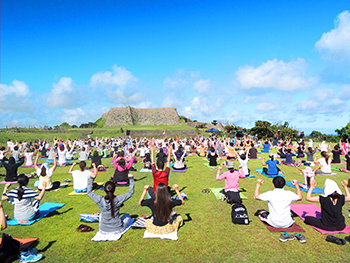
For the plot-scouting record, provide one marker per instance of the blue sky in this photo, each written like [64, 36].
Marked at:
[234, 61]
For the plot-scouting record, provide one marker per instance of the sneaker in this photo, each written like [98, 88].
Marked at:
[286, 237]
[300, 237]
[32, 251]
[27, 257]
[222, 197]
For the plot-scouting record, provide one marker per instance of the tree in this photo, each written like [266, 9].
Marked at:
[185, 119]
[344, 132]
[262, 129]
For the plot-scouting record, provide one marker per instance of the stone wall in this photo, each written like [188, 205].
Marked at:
[132, 116]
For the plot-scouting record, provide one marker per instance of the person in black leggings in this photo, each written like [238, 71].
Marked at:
[331, 206]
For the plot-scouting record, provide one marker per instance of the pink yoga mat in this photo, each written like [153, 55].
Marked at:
[313, 210]
[15, 182]
[338, 163]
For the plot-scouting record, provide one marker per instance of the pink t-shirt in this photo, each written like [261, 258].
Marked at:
[231, 179]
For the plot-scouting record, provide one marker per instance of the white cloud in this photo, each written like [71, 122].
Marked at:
[18, 89]
[308, 105]
[344, 93]
[14, 97]
[143, 105]
[195, 74]
[62, 94]
[198, 107]
[119, 77]
[323, 94]
[335, 44]
[170, 102]
[265, 106]
[174, 82]
[250, 99]
[275, 74]
[73, 116]
[312, 107]
[202, 85]
[22, 123]
[120, 96]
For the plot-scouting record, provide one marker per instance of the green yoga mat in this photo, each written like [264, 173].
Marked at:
[207, 165]
[336, 169]
[218, 192]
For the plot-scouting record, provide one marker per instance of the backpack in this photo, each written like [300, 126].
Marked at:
[239, 214]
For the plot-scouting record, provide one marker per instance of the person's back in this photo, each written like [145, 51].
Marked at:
[336, 154]
[279, 201]
[253, 153]
[15, 154]
[160, 176]
[266, 146]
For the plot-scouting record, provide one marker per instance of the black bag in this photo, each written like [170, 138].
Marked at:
[239, 214]
[9, 247]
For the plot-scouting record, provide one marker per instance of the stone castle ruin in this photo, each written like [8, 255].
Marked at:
[132, 116]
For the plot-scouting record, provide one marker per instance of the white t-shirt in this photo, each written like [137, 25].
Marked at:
[29, 157]
[62, 156]
[279, 201]
[80, 179]
[326, 167]
[244, 164]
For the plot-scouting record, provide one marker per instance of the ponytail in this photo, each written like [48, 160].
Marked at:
[109, 189]
[43, 171]
[22, 181]
[20, 193]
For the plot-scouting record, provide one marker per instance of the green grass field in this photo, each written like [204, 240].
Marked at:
[75, 133]
[208, 234]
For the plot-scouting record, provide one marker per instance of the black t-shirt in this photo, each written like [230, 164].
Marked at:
[331, 215]
[161, 156]
[150, 204]
[336, 156]
[253, 153]
[212, 159]
[347, 162]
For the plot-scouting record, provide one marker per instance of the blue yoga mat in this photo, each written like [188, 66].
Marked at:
[260, 171]
[315, 191]
[145, 170]
[45, 209]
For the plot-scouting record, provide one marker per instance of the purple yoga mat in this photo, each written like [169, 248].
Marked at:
[179, 171]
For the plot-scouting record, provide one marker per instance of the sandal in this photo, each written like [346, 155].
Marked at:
[336, 240]
[85, 228]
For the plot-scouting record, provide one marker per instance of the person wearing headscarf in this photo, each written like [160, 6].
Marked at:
[331, 206]
[45, 174]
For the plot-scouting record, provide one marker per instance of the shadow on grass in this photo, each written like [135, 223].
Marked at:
[55, 213]
[172, 191]
[140, 179]
[47, 246]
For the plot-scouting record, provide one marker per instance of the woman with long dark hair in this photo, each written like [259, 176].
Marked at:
[325, 164]
[111, 226]
[162, 207]
[25, 200]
